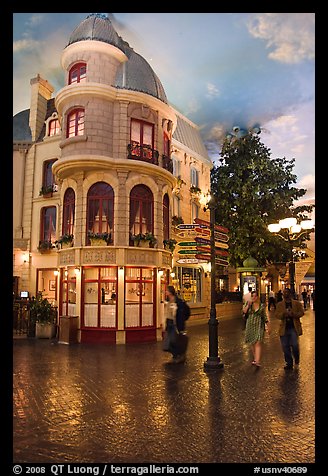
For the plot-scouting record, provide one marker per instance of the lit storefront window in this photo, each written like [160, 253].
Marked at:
[99, 295]
[139, 297]
[188, 283]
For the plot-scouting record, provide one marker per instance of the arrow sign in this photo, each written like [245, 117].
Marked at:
[207, 223]
[218, 236]
[204, 249]
[222, 262]
[189, 226]
[187, 252]
[204, 257]
[187, 243]
[187, 260]
[204, 241]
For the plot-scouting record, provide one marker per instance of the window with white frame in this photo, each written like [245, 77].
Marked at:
[176, 206]
[194, 211]
[176, 167]
[194, 177]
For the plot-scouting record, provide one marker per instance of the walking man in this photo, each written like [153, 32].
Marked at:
[289, 311]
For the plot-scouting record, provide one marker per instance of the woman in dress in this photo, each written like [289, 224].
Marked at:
[256, 325]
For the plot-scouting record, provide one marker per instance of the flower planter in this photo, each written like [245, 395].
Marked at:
[144, 243]
[45, 251]
[69, 244]
[97, 242]
[45, 330]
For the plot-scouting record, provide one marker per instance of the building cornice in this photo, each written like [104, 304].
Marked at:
[68, 166]
[68, 93]
[90, 45]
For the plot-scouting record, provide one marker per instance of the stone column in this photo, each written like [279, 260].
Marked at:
[121, 211]
[80, 205]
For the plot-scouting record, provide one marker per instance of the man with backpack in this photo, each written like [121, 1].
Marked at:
[177, 312]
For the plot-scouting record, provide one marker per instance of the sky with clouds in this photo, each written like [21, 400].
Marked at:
[218, 69]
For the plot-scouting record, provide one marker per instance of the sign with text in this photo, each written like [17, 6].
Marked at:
[187, 243]
[189, 226]
[207, 223]
[187, 252]
[219, 261]
[191, 261]
[205, 249]
[218, 236]
[204, 241]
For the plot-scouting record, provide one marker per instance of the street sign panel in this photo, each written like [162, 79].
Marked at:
[187, 243]
[190, 261]
[187, 252]
[204, 249]
[189, 226]
[218, 236]
[221, 261]
[207, 223]
[205, 241]
[204, 257]
[187, 261]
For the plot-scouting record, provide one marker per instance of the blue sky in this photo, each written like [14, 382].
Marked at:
[219, 69]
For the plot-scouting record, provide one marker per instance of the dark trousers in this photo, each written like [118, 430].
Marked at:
[290, 346]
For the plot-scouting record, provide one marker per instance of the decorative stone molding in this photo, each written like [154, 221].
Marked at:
[141, 257]
[99, 256]
[166, 259]
[66, 257]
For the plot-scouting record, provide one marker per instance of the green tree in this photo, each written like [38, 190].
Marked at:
[252, 190]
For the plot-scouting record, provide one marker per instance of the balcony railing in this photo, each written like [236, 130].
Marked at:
[142, 152]
[167, 163]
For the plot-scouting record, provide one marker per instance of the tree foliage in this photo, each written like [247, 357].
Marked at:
[252, 190]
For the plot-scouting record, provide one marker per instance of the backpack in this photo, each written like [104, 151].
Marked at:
[185, 310]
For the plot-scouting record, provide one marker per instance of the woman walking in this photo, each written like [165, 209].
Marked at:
[256, 325]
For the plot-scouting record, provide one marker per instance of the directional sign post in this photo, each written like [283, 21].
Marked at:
[213, 360]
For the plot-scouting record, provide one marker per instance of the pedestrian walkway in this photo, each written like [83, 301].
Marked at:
[124, 404]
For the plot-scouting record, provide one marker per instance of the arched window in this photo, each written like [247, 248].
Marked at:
[100, 209]
[77, 73]
[75, 123]
[69, 212]
[48, 224]
[166, 217]
[141, 210]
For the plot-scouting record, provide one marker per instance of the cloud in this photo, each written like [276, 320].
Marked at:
[25, 45]
[308, 182]
[290, 36]
[34, 20]
[212, 91]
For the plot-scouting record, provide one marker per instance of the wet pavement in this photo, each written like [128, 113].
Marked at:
[124, 404]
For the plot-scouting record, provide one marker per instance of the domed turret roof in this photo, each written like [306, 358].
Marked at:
[97, 27]
[135, 74]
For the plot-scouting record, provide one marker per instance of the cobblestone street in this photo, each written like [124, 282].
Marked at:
[125, 404]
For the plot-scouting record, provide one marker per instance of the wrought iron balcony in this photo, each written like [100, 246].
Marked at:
[167, 163]
[142, 152]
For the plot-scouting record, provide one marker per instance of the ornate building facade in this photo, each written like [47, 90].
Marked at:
[107, 157]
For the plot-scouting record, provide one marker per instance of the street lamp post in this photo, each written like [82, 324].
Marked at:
[213, 360]
[293, 232]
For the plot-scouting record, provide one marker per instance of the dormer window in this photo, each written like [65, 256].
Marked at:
[54, 127]
[75, 123]
[78, 73]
